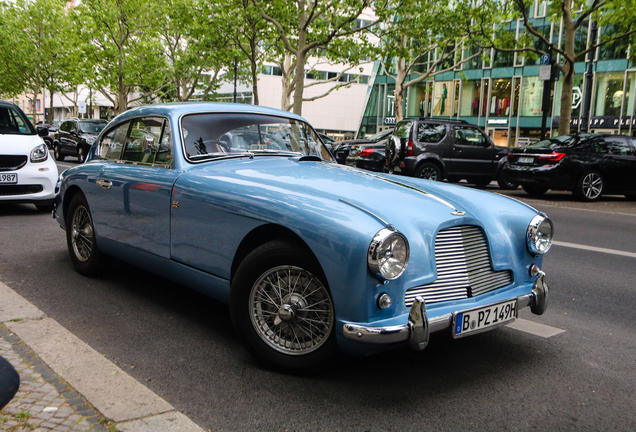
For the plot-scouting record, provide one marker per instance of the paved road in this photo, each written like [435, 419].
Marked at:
[181, 345]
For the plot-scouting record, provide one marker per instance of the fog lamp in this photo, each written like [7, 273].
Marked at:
[384, 301]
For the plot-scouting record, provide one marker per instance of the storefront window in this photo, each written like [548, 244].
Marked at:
[389, 98]
[628, 110]
[417, 101]
[609, 94]
[471, 93]
[531, 97]
[516, 86]
[441, 101]
[500, 97]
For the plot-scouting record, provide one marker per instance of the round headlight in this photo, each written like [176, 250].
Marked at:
[540, 234]
[388, 254]
[40, 153]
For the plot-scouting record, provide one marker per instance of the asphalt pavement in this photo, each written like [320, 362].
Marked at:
[135, 352]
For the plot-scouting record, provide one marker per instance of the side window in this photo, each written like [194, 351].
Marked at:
[72, 126]
[468, 136]
[112, 143]
[142, 142]
[164, 154]
[617, 146]
[430, 133]
[64, 127]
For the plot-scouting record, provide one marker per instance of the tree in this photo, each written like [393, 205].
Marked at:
[324, 28]
[620, 14]
[424, 38]
[34, 49]
[122, 49]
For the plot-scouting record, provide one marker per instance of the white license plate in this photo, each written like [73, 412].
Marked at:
[526, 160]
[478, 320]
[8, 178]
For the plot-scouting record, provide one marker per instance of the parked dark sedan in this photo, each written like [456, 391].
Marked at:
[589, 165]
[368, 156]
[341, 151]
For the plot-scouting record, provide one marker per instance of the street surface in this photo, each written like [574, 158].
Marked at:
[575, 372]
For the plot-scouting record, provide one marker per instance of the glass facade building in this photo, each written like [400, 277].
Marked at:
[503, 94]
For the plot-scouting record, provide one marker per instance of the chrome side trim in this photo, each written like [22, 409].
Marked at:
[370, 213]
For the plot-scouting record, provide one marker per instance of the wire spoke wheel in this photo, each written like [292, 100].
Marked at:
[82, 234]
[592, 186]
[291, 310]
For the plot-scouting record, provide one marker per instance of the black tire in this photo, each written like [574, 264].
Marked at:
[45, 208]
[281, 337]
[481, 183]
[80, 238]
[631, 196]
[81, 154]
[428, 171]
[535, 191]
[590, 186]
[56, 152]
[506, 184]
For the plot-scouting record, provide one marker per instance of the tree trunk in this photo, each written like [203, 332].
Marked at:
[50, 119]
[254, 51]
[568, 72]
[285, 99]
[398, 101]
[301, 57]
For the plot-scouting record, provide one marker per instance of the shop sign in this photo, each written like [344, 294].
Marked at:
[577, 96]
[601, 122]
[498, 122]
[389, 120]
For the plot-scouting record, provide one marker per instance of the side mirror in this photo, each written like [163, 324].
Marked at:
[43, 131]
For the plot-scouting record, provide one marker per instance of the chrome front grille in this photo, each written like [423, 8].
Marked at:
[463, 268]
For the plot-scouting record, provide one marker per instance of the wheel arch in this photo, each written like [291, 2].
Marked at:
[431, 158]
[68, 197]
[263, 234]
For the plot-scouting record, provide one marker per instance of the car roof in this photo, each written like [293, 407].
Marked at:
[177, 109]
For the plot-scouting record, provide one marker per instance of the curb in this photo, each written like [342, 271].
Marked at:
[84, 377]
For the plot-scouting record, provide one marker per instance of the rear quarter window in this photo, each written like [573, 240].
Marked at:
[430, 133]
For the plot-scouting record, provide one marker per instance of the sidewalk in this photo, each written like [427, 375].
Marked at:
[66, 386]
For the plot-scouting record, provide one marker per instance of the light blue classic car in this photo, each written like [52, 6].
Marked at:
[312, 257]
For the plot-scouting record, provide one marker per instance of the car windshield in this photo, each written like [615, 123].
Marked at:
[91, 127]
[13, 122]
[560, 141]
[207, 136]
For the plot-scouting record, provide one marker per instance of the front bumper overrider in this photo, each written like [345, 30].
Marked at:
[419, 327]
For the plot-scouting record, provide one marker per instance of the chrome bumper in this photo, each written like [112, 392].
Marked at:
[419, 327]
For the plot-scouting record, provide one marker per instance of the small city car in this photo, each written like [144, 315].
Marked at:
[27, 173]
[589, 165]
[314, 258]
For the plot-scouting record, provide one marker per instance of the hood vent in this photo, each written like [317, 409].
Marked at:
[463, 268]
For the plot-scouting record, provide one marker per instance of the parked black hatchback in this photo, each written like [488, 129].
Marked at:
[438, 149]
[589, 165]
[75, 137]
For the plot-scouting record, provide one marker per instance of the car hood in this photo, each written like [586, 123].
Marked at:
[348, 194]
[19, 144]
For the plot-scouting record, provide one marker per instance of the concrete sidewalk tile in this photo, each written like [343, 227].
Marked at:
[13, 306]
[110, 390]
[167, 422]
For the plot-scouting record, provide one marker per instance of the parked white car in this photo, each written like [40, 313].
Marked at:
[27, 173]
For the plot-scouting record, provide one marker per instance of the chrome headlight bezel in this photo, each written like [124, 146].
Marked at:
[381, 250]
[39, 154]
[539, 235]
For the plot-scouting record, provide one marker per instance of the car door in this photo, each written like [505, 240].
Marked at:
[134, 198]
[472, 153]
[616, 160]
[63, 136]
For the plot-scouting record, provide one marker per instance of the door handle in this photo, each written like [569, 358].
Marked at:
[105, 184]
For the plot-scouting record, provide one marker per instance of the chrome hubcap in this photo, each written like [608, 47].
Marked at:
[291, 310]
[82, 234]
[592, 186]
